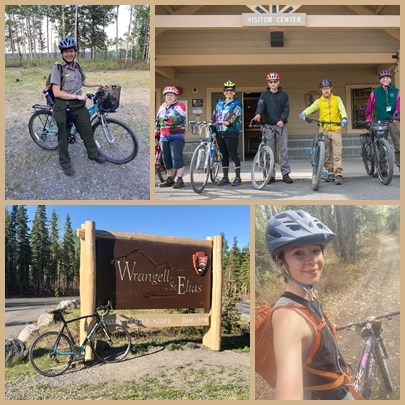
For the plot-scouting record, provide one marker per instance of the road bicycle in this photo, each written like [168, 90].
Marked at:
[116, 142]
[206, 159]
[374, 350]
[263, 162]
[376, 151]
[318, 151]
[52, 353]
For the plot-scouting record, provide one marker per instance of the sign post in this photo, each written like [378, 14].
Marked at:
[138, 271]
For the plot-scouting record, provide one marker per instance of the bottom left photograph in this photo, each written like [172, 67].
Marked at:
[127, 302]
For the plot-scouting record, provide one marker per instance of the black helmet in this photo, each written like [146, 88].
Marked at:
[67, 43]
[294, 228]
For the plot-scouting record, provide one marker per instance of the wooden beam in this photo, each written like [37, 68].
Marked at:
[345, 58]
[168, 72]
[182, 22]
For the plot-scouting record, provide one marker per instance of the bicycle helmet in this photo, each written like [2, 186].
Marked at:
[384, 73]
[67, 43]
[325, 83]
[272, 76]
[229, 85]
[294, 228]
[171, 89]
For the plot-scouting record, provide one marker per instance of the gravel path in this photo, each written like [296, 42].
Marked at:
[34, 174]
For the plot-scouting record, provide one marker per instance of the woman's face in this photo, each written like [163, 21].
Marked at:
[170, 98]
[304, 263]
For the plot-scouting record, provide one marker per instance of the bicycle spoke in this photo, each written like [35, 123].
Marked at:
[199, 168]
[43, 130]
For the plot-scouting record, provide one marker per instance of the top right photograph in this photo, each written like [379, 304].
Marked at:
[277, 102]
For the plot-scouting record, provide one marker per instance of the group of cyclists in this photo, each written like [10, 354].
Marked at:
[273, 112]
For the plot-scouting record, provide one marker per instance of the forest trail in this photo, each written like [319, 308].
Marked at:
[376, 292]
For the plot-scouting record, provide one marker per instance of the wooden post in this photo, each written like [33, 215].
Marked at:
[212, 336]
[87, 279]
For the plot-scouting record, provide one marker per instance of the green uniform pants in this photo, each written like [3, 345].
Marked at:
[395, 135]
[81, 119]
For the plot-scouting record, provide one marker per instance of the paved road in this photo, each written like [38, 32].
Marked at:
[357, 185]
[23, 311]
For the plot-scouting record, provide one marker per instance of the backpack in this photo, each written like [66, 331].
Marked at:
[265, 361]
[47, 91]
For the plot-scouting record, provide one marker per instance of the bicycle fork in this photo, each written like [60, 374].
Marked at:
[106, 129]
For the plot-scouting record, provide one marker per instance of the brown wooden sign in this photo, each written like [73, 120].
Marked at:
[153, 274]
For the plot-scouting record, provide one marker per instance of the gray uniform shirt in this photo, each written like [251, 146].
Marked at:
[74, 79]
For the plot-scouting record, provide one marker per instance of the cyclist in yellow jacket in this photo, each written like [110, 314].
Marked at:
[330, 109]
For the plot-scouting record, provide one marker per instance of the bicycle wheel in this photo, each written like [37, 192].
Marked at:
[215, 165]
[318, 160]
[51, 354]
[111, 343]
[199, 168]
[367, 154]
[382, 364]
[385, 161]
[160, 169]
[115, 141]
[44, 130]
[261, 167]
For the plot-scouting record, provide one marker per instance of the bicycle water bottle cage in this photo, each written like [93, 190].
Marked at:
[200, 262]
[378, 129]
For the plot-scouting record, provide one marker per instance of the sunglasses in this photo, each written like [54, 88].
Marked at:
[228, 90]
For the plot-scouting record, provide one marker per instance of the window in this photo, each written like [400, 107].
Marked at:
[357, 96]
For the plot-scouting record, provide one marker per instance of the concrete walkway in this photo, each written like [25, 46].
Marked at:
[357, 185]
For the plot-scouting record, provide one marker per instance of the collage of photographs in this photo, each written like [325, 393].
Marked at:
[201, 201]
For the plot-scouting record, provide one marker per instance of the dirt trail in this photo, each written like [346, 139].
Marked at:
[375, 293]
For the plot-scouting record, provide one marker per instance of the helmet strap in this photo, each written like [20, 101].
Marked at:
[309, 289]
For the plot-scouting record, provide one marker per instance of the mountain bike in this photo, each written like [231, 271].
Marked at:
[374, 349]
[263, 161]
[318, 151]
[376, 151]
[52, 353]
[206, 159]
[115, 141]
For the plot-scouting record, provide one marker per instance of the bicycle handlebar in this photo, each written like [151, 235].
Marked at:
[311, 120]
[369, 319]
[103, 310]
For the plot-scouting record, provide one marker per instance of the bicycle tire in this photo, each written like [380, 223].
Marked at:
[367, 154]
[111, 343]
[214, 166]
[43, 357]
[262, 165]
[385, 166]
[382, 364]
[318, 161]
[43, 130]
[122, 148]
[160, 169]
[367, 381]
[199, 168]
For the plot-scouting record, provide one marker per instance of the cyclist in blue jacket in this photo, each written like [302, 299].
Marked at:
[227, 123]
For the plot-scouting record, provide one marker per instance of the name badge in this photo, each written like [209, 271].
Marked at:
[388, 108]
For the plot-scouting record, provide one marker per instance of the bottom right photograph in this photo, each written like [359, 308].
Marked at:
[327, 291]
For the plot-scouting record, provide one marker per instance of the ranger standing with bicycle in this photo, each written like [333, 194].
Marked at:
[227, 125]
[384, 105]
[274, 105]
[70, 104]
[330, 108]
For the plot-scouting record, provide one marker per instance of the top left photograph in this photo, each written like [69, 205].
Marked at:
[77, 102]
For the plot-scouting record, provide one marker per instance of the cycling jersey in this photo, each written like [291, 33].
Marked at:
[230, 112]
[171, 121]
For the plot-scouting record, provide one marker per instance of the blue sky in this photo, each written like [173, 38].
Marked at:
[186, 221]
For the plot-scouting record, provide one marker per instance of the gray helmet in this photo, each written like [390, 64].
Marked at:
[294, 228]
[67, 43]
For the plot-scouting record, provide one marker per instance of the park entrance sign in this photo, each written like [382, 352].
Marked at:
[150, 272]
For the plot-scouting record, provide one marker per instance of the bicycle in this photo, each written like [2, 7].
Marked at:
[160, 168]
[263, 162]
[52, 353]
[206, 159]
[115, 141]
[318, 151]
[376, 151]
[374, 348]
